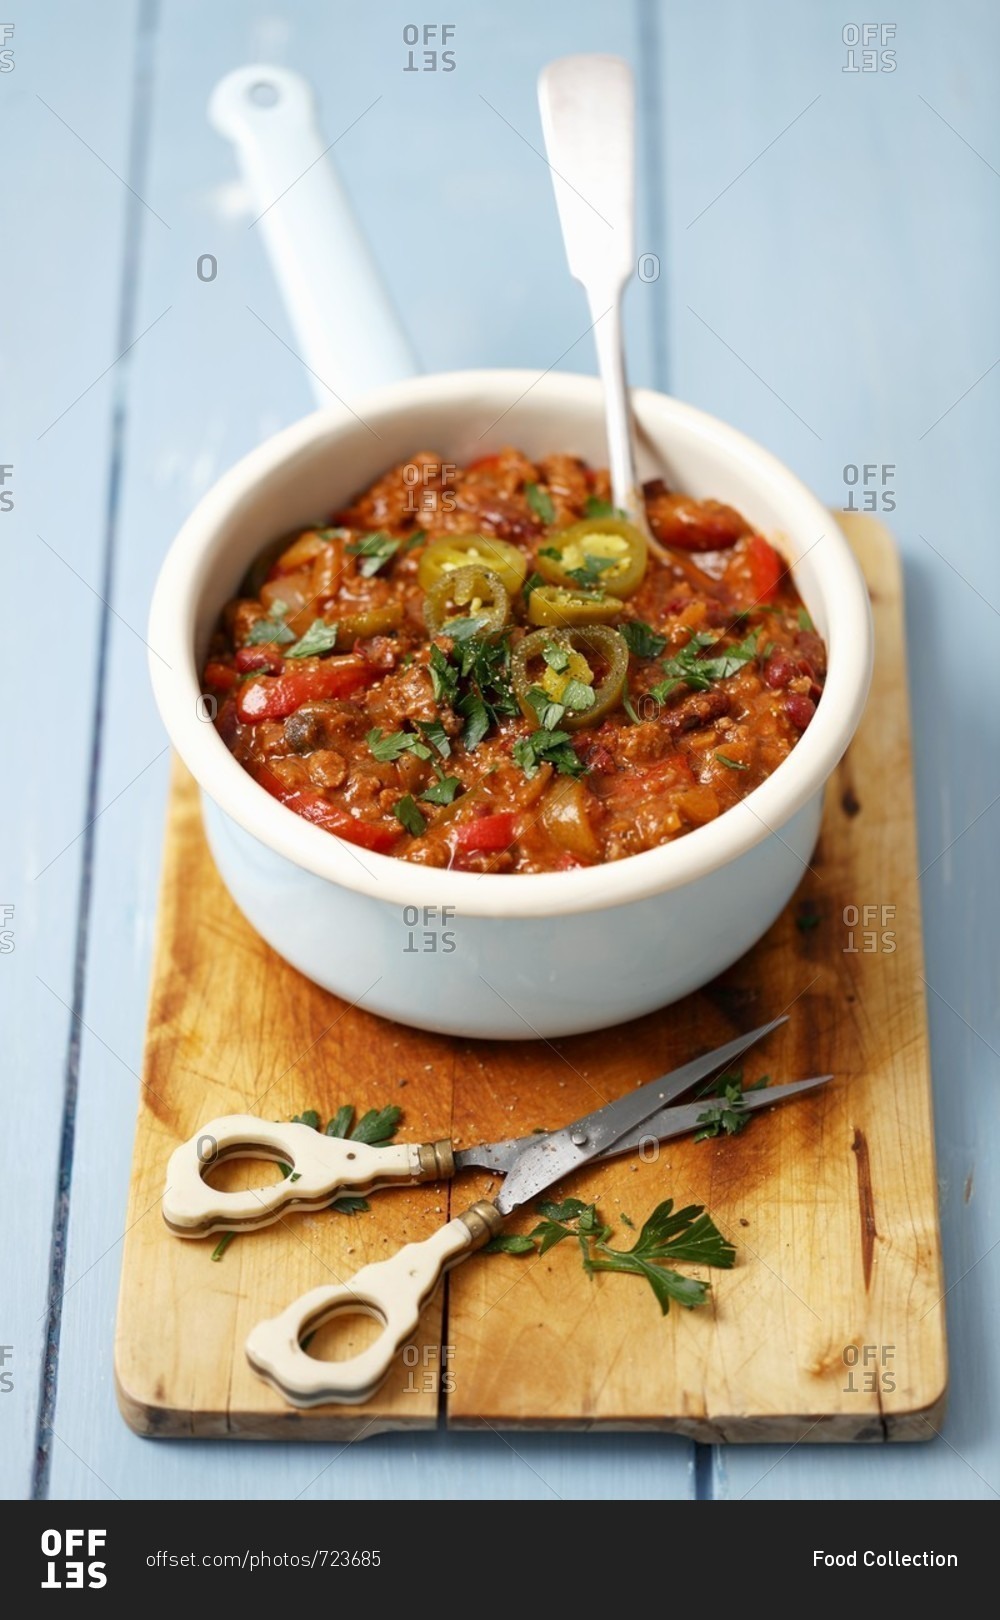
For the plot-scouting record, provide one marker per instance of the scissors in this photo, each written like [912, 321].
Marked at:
[395, 1291]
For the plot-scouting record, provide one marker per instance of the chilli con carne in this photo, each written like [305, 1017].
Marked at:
[486, 667]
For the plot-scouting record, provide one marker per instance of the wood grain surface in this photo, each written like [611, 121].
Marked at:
[830, 1325]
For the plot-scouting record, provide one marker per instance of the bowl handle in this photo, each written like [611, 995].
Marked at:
[346, 330]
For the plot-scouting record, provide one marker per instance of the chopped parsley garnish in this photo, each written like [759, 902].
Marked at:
[731, 1115]
[593, 508]
[443, 791]
[476, 714]
[548, 712]
[577, 695]
[387, 749]
[436, 735]
[731, 764]
[556, 655]
[406, 813]
[463, 629]
[540, 502]
[688, 668]
[805, 622]
[667, 1238]
[531, 584]
[589, 574]
[271, 629]
[641, 639]
[548, 747]
[320, 638]
[374, 550]
[444, 676]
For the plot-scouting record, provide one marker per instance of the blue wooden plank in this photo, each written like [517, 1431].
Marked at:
[478, 277]
[835, 300]
[60, 274]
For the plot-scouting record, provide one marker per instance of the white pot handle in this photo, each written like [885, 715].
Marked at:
[346, 329]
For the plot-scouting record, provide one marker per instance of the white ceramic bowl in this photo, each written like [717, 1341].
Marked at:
[497, 955]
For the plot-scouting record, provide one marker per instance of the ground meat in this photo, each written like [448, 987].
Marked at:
[356, 735]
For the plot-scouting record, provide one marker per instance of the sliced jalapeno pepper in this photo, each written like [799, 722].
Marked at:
[467, 601]
[373, 621]
[551, 604]
[607, 554]
[466, 550]
[581, 670]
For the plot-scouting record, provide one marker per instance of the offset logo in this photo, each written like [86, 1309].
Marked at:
[70, 1560]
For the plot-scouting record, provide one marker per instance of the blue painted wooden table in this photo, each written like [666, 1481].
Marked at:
[827, 239]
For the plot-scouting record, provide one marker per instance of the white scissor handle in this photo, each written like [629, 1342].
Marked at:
[393, 1291]
[321, 1168]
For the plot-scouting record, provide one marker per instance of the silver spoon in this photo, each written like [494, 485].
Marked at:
[588, 119]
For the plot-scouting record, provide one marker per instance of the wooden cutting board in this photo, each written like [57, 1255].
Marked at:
[831, 1326]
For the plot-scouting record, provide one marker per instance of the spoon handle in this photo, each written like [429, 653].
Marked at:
[588, 119]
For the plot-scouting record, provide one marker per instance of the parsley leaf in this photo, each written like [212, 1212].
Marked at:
[443, 791]
[730, 1115]
[577, 695]
[556, 655]
[667, 1238]
[387, 749]
[641, 640]
[589, 575]
[547, 747]
[805, 622]
[477, 719]
[531, 584]
[320, 638]
[548, 712]
[374, 550]
[510, 1243]
[444, 676]
[689, 668]
[436, 735]
[462, 629]
[406, 813]
[731, 764]
[540, 502]
[271, 629]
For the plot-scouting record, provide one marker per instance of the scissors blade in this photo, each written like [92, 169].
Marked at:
[679, 1120]
[548, 1158]
[501, 1157]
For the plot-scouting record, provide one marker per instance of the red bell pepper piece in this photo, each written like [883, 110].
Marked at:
[380, 836]
[767, 568]
[487, 833]
[272, 697]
